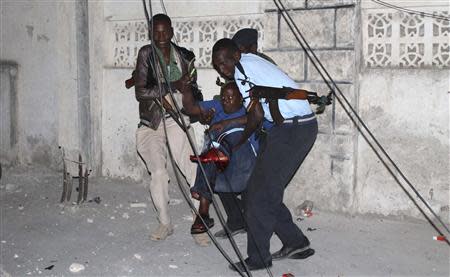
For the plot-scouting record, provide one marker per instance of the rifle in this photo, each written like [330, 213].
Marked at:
[287, 93]
[129, 83]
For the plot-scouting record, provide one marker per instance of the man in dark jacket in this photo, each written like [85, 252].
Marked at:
[166, 66]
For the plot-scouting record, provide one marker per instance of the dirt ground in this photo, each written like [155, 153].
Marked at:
[41, 237]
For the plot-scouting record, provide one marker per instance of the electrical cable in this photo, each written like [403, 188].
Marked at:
[217, 209]
[358, 121]
[424, 14]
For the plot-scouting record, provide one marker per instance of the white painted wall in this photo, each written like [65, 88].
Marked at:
[38, 35]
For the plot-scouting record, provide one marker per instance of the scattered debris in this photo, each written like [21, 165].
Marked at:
[174, 202]
[50, 267]
[439, 238]
[138, 205]
[288, 275]
[10, 187]
[311, 229]
[125, 215]
[96, 200]
[76, 267]
[173, 266]
[304, 209]
[137, 256]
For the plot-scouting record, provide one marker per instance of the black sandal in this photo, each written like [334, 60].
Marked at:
[199, 228]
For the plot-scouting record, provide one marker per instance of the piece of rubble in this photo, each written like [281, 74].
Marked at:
[173, 202]
[138, 205]
[90, 220]
[76, 267]
[125, 215]
[137, 256]
[173, 266]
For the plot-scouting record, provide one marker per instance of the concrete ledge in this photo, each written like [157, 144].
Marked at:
[328, 3]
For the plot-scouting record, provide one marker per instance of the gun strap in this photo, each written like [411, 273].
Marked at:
[273, 103]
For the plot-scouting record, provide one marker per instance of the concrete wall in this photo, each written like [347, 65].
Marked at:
[404, 100]
[36, 36]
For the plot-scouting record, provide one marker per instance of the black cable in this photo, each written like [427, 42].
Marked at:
[424, 14]
[218, 212]
[308, 51]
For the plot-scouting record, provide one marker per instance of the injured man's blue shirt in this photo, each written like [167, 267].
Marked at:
[220, 115]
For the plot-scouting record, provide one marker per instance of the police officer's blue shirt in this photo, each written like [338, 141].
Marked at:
[263, 73]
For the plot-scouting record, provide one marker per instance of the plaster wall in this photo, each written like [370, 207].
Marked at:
[408, 112]
[38, 36]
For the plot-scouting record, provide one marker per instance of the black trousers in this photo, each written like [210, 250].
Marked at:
[285, 148]
[234, 208]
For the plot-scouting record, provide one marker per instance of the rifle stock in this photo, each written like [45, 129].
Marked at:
[129, 83]
[300, 94]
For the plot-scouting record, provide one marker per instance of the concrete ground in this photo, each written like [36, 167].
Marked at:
[41, 237]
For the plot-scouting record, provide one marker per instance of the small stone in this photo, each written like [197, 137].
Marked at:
[174, 202]
[3, 241]
[16, 256]
[113, 217]
[173, 266]
[138, 205]
[137, 256]
[111, 234]
[90, 220]
[125, 215]
[10, 187]
[75, 267]
[20, 207]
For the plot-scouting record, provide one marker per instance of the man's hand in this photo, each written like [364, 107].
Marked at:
[182, 84]
[206, 116]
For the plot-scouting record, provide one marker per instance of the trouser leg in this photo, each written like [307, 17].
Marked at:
[233, 207]
[181, 150]
[151, 146]
[286, 147]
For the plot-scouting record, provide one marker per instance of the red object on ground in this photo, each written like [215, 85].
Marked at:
[287, 275]
[440, 238]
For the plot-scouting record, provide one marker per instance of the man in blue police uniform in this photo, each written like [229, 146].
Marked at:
[286, 146]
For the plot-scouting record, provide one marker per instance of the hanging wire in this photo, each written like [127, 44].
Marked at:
[424, 14]
[191, 142]
[356, 119]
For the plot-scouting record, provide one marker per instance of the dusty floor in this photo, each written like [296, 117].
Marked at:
[40, 236]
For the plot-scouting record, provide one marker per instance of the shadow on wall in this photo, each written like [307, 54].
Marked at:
[8, 112]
